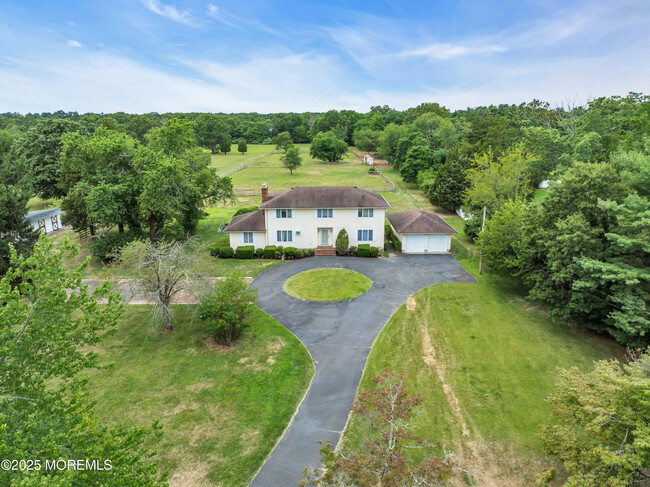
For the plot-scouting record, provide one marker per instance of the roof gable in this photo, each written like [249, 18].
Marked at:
[418, 221]
[325, 197]
[248, 222]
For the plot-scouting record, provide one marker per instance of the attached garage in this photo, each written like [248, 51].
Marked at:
[421, 232]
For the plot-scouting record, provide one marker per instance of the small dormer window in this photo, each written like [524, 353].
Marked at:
[283, 214]
[366, 212]
[325, 213]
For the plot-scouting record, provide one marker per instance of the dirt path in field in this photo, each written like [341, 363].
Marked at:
[477, 452]
[429, 358]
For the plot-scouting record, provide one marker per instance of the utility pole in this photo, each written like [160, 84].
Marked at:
[480, 258]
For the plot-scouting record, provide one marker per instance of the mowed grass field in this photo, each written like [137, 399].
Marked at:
[279, 178]
[484, 359]
[222, 409]
[263, 154]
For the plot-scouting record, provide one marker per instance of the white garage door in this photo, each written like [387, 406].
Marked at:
[415, 243]
[437, 243]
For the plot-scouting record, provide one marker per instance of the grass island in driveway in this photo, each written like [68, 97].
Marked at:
[327, 285]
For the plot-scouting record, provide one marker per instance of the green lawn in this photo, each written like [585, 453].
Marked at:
[36, 203]
[327, 285]
[307, 175]
[222, 409]
[540, 194]
[498, 353]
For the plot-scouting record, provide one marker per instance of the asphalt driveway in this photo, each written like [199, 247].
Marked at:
[339, 336]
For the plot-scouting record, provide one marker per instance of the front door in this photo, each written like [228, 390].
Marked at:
[324, 237]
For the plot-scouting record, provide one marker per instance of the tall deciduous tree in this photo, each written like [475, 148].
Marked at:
[292, 159]
[328, 147]
[41, 148]
[46, 340]
[494, 180]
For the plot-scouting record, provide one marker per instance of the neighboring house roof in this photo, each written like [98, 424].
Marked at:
[34, 216]
[248, 222]
[418, 221]
[325, 197]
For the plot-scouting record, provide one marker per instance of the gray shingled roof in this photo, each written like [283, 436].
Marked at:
[325, 197]
[248, 222]
[418, 221]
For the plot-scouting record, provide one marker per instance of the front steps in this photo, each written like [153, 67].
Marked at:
[324, 251]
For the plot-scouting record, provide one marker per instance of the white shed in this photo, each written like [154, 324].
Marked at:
[45, 220]
[368, 160]
[421, 232]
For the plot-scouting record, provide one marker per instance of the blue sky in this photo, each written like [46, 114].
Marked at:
[269, 56]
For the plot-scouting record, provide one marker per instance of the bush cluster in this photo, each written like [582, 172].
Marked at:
[397, 244]
[248, 209]
[245, 252]
[270, 251]
[225, 252]
[106, 246]
[364, 250]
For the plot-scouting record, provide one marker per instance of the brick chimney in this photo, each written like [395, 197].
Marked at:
[265, 192]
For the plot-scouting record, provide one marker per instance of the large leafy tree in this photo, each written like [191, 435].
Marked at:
[420, 158]
[493, 180]
[46, 342]
[326, 146]
[15, 191]
[41, 148]
[602, 435]
[100, 180]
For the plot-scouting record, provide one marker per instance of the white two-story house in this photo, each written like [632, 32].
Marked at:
[311, 217]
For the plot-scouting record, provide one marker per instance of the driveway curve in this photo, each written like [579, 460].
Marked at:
[338, 336]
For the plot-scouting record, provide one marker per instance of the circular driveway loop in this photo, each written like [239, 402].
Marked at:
[338, 335]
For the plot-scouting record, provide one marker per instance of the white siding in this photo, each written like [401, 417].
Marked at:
[305, 222]
[237, 239]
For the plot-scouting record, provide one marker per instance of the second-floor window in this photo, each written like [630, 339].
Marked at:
[283, 214]
[366, 212]
[325, 213]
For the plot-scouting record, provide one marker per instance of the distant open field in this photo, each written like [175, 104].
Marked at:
[261, 154]
[307, 175]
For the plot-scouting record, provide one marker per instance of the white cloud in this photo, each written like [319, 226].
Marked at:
[73, 43]
[237, 22]
[169, 11]
[451, 51]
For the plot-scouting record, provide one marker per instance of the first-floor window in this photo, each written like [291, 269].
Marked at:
[365, 235]
[285, 236]
[247, 237]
